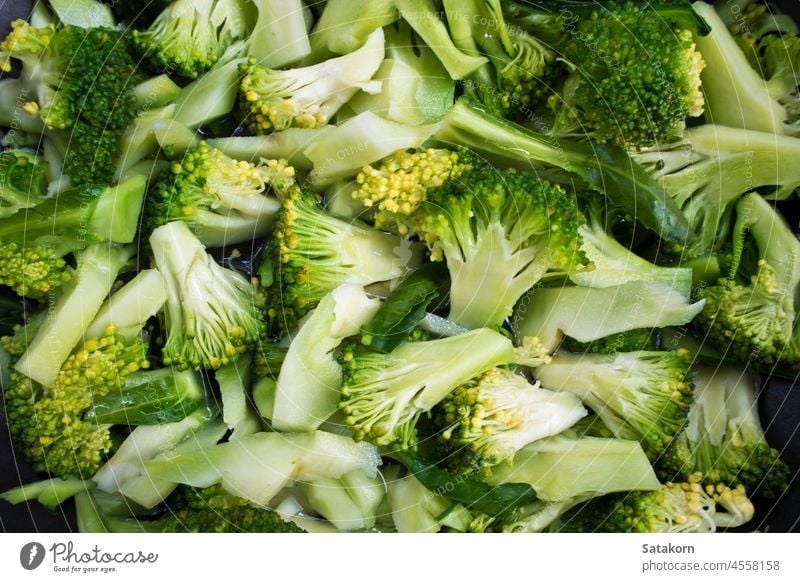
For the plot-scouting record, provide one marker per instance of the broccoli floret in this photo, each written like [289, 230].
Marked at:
[23, 181]
[397, 185]
[751, 313]
[639, 75]
[642, 396]
[521, 64]
[34, 242]
[500, 232]
[487, 420]
[224, 201]
[311, 253]
[83, 80]
[710, 168]
[213, 510]
[383, 395]
[189, 36]
[47, 421]
[736, 93]
[685, 507]
[213, 314]
[603, 167]
[723, 439]
[308, 97]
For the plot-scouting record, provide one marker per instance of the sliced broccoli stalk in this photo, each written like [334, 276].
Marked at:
[487, 420]
[129, 308]
[724, 440]
[736, 94]
[383, 395]
[561, 468]
[604, 168]
[615, 264]
[416, 88]
[213, 314]
[341, 201]
[234, 386]
[80, 216]
[280, 36]
[23, 181]
[709, 169]
[423, 17]
[500, 233]
[633, 340]
[213, 95]
[124, 473]
[309, 96]
[149, 397]
[643, 396]
[686, 507]
[288, 144]
[51, 492]
[282, 458]
[97, 270]
[264, 396]
[376, 138]
[349, 503]
[751, 314]
[83, 13]
[587, 314]
[344, 26]
[415, 509]
[156, 92]
[189, 36]
[308, 386]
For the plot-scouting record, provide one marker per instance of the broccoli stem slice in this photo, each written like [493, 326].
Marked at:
[98, 268]
[604, 168]
[234, 384]
[344, 25]
[736, 95]
[551, 313]
[280, 37]
[424, 19]
[50, 492]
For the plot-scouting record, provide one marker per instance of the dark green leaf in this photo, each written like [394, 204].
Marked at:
[406, 307]
[495, 501]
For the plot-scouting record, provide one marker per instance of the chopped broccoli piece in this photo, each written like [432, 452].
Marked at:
[311, 253]
[723, 439]
[224, 201]
[51, 492]
[190, 36]
[685, 507]
[500, 232]
[345, 25]
[551, 313]
[737, 95]
[751, 313]
[384, 395]
[280, 34]
[47, 421]
[632, 340]
[213, 510]
[397, 186]
[642, 396]
[213, 314]
[487, 420]
[35, 241]
[307, 97]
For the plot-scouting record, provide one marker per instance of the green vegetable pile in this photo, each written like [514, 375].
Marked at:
[398, 265]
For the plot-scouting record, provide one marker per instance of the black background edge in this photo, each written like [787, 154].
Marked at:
[779, 408]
